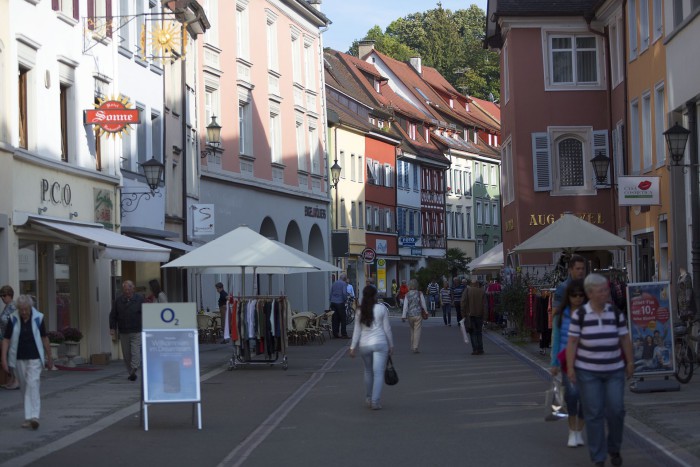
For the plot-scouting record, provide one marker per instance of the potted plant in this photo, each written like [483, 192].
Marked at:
[72, 343]
[55, 340]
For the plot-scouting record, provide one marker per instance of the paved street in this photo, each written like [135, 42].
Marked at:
[449, 408]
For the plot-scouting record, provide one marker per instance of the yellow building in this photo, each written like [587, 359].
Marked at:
[646, 153]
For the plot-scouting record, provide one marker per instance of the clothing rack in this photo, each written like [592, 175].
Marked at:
[257, 327]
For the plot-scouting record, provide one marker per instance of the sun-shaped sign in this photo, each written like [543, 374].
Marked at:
[113, 115]
[165, 40]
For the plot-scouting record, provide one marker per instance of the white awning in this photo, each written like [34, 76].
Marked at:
[113, 245]
[172, 244]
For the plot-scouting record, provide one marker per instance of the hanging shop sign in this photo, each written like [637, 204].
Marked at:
[113, 115]
[203, 219]
[638, 191]
[407, 241]
[368, 255]
[381, 247]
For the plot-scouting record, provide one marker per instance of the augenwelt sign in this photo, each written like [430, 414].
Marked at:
[112, 116]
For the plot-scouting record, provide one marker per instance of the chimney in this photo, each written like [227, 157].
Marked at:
[416, 64]
[315, 3]
[365, 48]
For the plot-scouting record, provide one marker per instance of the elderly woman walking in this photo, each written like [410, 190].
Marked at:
[598, 356]
[25, 348]
[413, 305]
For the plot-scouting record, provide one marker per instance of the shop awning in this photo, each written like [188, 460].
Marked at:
[492, 260]
[113, 245]
[172, 244]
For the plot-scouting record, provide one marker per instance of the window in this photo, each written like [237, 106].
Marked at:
[632, 27]
[296, 57]
[272, 60]
[479, 213]
[485, 173]
[507, 176]
[388, 176]
[353, 221]
[412, 131]
[314, 150]
[571, 162]
[64, 90]
[66, 7]
[643, 25]
[658, 19]
[212, 103]
[574, 59]
[468, 222]
[399, 174]
[487, 213]
[99, 17]
[301, 143]
[389, 221]
[352, 167]
[140, 23]
[141, 141]
[477, 172]
[375, 224]
[309, 65]
[245, 126]
[23, 107]
[677, 12]
[659, 126]
[416, 185]
[376, 85]
[494, 215]
[617, 53]
[368, 218]
[341, 162]
[468, 182]
[646, 130]
[450, 222]
[242, 29]
[156, 136]
[634, 136]
[427, 134]
[494, 175]
[360, 170]
[211, 8]
[125, 36]
[343, 213]
[275, 135]
[360, 213]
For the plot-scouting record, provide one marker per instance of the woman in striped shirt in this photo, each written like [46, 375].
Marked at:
[446, 303]
[594, 358]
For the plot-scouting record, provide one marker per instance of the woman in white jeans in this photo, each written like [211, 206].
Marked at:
[373, 336]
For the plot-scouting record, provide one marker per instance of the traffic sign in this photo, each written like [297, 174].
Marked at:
[368, 255]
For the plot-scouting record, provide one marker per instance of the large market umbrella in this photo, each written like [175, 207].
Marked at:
[492, 260]
[573, 234]
[239, 250]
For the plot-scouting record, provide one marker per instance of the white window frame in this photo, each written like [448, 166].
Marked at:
[657, 20]
[634, 127]
[275, 134]
[211, 8]
[632, 29]
[296, 56]
[353, 214]
[479, 213]
[643, 25]
[485, 173]
[660, 123]
[314, 148]
[242, 30]
[550, 85]
[495, 214]
[300, 131]
[360, 169]
[412, 130]
[309, 65]
[272, 42]
[617, 52]
[646, 132]
[360, 216]
[352, 167]
[245, 123]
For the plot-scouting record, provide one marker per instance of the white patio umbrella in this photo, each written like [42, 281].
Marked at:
[572, 234]
[492, 260]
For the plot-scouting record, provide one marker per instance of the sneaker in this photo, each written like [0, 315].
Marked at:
[572, 443]
[615, 458]
[34, 423]
[579, 438]
[26, 424]
[376, 406]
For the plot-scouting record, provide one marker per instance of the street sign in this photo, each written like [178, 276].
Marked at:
[407, 241]
[368, 255]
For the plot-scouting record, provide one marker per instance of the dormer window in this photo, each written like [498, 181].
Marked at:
[490, 139]
[376, 84]
[380, 124]
[452, 103]
[412, 131]
[495, 140]
[466, 106]
[427, 134]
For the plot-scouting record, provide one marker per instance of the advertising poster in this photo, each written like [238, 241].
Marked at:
[651, 327]
[381, 275]
[171, 366]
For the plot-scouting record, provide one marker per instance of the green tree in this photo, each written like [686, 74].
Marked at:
[457, 262]
[385, 44]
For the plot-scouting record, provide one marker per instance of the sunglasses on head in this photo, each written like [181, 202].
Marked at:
[577, 294]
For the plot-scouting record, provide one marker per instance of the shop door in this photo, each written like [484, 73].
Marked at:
[645, 257]
[66, 277]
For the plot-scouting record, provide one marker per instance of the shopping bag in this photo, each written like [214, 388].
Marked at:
[554, 402]
[390, 376]
[465, 335]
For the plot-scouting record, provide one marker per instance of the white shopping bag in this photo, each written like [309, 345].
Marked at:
[464, 331]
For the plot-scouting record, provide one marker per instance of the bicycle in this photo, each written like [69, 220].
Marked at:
[685, 352]
[349, 310]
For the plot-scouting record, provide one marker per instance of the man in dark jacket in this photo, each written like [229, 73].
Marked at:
[125, 319]
[474, 312]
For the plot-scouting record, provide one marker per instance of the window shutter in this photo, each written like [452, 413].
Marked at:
[76, 10]
[108, 7]
[54, 5]
[541, 162]
[600, 144]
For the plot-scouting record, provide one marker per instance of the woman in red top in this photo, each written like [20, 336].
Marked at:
[403, 290]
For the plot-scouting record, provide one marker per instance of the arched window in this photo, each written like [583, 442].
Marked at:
[571, 170]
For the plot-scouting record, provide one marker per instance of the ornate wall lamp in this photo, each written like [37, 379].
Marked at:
[213, 138]
[153, 170]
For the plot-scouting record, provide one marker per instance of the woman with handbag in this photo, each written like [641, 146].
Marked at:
[373, 336]
[573, 299]
[415, 310]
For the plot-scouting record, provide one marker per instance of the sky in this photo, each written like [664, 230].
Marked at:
[351, 19]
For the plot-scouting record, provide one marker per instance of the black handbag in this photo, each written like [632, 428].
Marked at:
[390, 376]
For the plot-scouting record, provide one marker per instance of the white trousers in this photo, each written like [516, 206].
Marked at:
[28, 373]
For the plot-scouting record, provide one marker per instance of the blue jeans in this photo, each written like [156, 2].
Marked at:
[572, 396]
[447, 313]
[602, 396]
[374, 358]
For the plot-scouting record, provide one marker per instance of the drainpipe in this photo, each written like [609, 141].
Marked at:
[183, 163]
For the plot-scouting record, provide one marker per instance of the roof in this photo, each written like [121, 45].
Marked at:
[491, 109]
[544, 7]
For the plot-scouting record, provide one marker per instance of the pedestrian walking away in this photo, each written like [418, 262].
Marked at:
[372, 334]
[598, 357]
[573, 300]
[413, 306]
[125, 324]
[457, 290]
[433, 290]
[338, 297]
[446, 303]
[25, 348]
[474, 311]
[7, 294]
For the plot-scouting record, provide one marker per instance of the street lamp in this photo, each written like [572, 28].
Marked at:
[676, 139]
[335, 177]
[153, 170]
[213, 138]
[601, 163]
